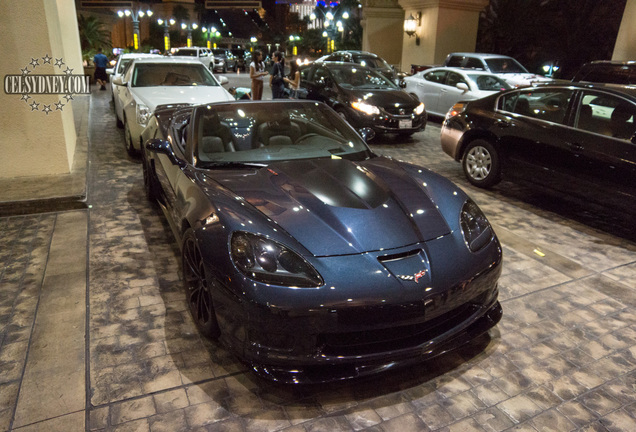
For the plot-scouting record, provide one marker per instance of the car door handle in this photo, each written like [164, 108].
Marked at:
[575, 147]
[503, 124]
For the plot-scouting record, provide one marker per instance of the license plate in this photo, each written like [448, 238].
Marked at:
[405, 124]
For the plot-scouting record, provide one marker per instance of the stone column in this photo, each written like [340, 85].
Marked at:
[445, 26]
[35, 141]
[382, 23]
[625, 48]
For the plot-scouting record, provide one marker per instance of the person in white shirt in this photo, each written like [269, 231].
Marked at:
[257, 74]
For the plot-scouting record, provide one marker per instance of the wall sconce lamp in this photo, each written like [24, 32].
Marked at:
[411, 24]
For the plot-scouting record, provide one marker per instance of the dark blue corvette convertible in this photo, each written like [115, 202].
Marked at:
[306, 254]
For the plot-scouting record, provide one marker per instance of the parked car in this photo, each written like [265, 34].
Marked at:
[364, 58]
[441, 88]
[240, 61]
[150, 82]
[573, 138]
[123, 60]
[503, 66]
[363, 97]
[306, 254]
[606, 71]
[223, 60]
[202, 54]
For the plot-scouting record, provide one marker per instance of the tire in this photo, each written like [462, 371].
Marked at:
[150, 185]
[481, 164]
[128, 141]
[198, 287]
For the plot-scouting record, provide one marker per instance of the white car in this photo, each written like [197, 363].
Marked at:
[204, 55]
[122, 61]
[440, 88]
[149, 82]
[503, 66]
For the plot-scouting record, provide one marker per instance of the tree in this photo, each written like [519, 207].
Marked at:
[92, 34]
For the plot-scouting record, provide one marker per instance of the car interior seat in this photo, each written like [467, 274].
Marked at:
[620, 123]
[216, 137]
[279, 131]
[586, 119]
[523, 107]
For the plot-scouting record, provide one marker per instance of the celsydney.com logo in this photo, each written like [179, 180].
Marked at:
[27, 84]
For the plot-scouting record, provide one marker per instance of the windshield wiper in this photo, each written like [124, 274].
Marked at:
[228, 164]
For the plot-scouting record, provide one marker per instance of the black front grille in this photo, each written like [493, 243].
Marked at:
[400, 111]
[377, 315]
[399, 337]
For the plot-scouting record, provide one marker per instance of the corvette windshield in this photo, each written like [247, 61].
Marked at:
[250, 132]
[171, 74]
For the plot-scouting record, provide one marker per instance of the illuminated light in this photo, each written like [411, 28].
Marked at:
[160, 21]
[538, 252]
[420, 211]
[149, 12]
[349, 300]
[424, 184]
[385, 205]
[141, 14]
[296, 209]
[195, 26]
[183, 26]
[172, 21]
[120, 13]
[345, 15]
[332, 287]
[455, 193]
[127, 12]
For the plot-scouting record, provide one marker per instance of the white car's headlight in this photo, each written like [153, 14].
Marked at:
[420, 109]
[366, 108]
[143, 114]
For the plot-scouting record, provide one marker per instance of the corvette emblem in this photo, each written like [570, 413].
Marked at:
[416, 277]
[402, 111]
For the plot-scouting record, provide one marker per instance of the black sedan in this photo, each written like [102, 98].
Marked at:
[579, 139]
[363, 97]
[307, 255]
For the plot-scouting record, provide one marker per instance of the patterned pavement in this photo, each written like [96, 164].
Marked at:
[563, 357]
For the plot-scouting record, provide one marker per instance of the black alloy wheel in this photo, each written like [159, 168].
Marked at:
[481, 164]
[198, 287]
[150, 184]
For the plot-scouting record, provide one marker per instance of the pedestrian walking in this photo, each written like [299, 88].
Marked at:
[101, 63]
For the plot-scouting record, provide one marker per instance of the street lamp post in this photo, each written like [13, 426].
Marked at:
[253, 40]
[331, 24]
[166, 32]
[211, 32]
[135, 14]
[189, 28]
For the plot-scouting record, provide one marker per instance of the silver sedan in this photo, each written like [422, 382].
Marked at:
[440, 88]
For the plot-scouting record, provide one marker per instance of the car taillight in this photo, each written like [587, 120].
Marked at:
[455, 110]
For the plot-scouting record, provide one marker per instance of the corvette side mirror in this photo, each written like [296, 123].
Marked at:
[160, 146]
[119, 81]
[367, 134]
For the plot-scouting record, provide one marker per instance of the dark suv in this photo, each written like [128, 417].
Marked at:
[605, 71]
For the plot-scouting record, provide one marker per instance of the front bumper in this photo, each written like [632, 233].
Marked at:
[320, 335]
[388, 123]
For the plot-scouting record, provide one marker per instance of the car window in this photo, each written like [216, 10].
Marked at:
[354, 76]
[255, 133]
[122, 65]
[455, 61]
[505, 65]
[186, 52]
[474, 63]
[171, 74]
[181, 130]
[454, 78]
[543, 104]
[320, 74]
[489, 82]
[606, 115]
[438, 76]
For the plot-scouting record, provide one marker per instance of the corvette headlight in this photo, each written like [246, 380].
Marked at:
[420, 109]
[475, 227]
[366, 108]
[267, 261]
[143, 114]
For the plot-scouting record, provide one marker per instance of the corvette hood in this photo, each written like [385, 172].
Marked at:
[339, 207]
[153, 96]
